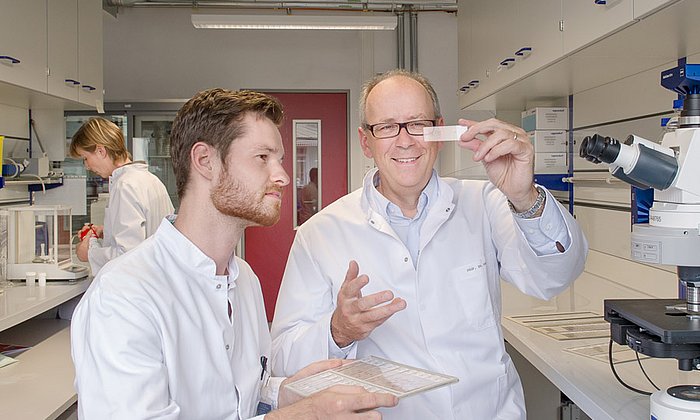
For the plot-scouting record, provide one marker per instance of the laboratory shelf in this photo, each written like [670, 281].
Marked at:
[40, 384]
[33, 181]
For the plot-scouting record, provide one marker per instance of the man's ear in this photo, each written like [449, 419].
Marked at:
[440, 121]
[363, 143]
[202, 157]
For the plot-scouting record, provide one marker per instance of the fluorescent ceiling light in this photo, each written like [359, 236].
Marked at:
[333, 22]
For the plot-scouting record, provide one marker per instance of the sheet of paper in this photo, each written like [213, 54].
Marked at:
[599, 351]
[4, 360]
[566, 325]
[444, 132]
[375, 375]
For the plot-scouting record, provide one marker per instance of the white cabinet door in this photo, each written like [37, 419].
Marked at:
[90, 51]
[62, 29]
[23, 43]
[642, 7]
[505, 44]
[537, 40]
[465, 67]
[586, 21]
[491, 40]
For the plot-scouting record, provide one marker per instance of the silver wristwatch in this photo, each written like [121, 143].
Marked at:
[529, 213]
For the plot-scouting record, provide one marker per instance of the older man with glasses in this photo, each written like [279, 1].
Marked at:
[408, 267]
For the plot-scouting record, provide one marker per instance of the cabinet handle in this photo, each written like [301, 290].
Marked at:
[12, 60]
[72, 81]
[89, 88]
[474, 83]
[523, 51]
[600, 2]
[464, 88]
[507, 62]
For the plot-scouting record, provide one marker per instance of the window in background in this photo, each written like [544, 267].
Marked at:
[151, 142]
[307, 172]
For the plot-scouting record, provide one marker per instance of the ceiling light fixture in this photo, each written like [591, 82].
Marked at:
[333, 22]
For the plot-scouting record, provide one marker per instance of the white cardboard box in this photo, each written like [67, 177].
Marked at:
[551, 163]
[549, 141]
[542, 118]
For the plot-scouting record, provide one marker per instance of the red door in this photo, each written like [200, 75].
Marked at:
[266, 249]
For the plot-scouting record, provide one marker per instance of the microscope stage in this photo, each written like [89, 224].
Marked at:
[658, 317]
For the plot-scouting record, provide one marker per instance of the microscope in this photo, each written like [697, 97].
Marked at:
[664, 328]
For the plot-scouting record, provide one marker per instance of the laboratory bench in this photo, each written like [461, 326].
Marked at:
[40, 385]
[588, 382]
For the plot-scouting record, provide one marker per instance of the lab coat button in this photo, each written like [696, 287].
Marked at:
[218, 286]
[371, 221]
[447, 210]
[227, 347]
[405, 259]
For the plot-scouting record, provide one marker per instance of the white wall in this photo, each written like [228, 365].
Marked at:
[156, 54]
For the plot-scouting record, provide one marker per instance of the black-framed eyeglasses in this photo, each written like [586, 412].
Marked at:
[388, 130]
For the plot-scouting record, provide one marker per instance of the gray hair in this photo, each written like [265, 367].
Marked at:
[371, 83]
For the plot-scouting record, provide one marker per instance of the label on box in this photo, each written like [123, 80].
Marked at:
[549, 141]
[542, 118]
[551, 163]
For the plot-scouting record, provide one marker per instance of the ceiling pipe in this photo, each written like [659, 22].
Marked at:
[293, 5]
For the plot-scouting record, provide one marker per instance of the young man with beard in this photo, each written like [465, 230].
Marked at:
[176, 328]
[426, 256]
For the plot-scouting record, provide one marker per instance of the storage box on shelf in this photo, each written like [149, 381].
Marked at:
[545, 118]
[550, 151]
[549, 141]
[551, 163]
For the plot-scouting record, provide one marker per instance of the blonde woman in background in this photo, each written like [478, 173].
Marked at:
[138, 200]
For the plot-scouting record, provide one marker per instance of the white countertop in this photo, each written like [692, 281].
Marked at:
[20, 303]
[587, 382]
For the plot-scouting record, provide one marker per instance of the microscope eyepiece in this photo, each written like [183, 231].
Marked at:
[599, 149]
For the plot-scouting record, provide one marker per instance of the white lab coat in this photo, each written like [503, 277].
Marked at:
[151, 338]
[138, 202]
[451, 324]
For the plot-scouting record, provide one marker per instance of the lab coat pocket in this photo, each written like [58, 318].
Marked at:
[468, 286]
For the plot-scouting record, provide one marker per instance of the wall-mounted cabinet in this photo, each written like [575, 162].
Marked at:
[642, 7]
[575, 45]
[502, 43]
[23, 43]
[585, 21]
[63, 78]
[53, 47]
[90, 52]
